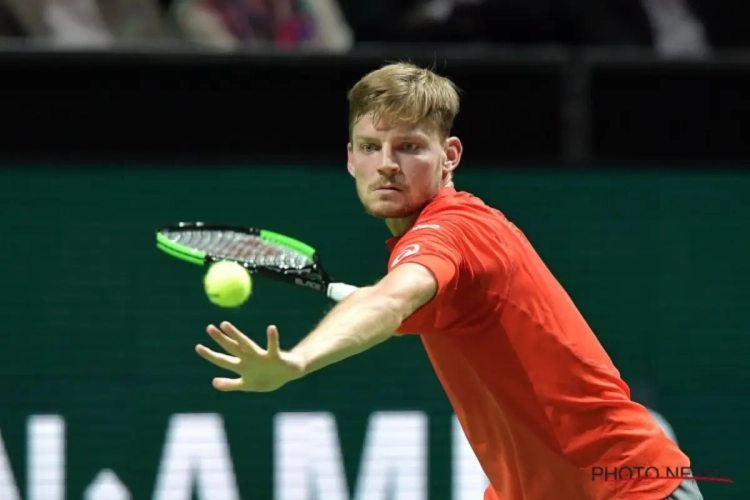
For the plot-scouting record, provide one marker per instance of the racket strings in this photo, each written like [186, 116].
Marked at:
[240, 246]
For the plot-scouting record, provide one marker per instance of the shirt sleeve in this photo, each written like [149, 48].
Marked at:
[434, 248]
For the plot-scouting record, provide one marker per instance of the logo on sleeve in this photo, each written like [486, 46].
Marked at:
[425, 226]
[407, 251]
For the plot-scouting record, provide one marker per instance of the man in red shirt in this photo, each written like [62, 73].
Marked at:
[541, 403]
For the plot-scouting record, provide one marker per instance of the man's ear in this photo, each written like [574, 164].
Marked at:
[453, 151]
[349, 158]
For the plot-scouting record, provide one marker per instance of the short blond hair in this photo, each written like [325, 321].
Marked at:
[405, 94]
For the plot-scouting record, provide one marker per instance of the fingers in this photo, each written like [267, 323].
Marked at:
[227, 384]
[243, 342]
[221, 360]
[229, 345]
[273, 341]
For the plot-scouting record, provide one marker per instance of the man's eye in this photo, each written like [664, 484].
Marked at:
[366, 148]
[410, 146]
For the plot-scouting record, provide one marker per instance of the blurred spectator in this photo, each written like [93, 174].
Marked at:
[669, 26]
[677, 32]
[9, 25]
[316, 24]
[89, 22]
[515, 22]
[673, 28]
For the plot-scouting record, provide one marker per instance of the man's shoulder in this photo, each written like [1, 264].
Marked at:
[465, 215]
[460, 203]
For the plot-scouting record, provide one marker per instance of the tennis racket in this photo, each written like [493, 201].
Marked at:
[262, 252]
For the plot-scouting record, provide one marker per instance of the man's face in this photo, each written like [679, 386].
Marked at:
[398, 170]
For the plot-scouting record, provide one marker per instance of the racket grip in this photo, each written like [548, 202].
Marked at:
[340, 291]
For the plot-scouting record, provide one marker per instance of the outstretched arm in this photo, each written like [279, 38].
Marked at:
[366, 318]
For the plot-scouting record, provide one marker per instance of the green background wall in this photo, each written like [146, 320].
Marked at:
[98, 326]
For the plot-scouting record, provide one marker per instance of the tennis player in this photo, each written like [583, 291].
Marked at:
[541, 403]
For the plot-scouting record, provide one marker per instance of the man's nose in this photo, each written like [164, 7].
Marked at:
[389, 166]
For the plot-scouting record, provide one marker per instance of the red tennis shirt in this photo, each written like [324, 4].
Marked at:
[539, 399]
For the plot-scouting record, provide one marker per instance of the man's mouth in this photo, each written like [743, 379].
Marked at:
[387, 188]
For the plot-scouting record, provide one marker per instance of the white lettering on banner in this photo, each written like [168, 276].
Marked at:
[196, 452]
[308, 461]
[469, 480]
[307, 457]
[394, 459]
[45, 459]
[8, 487]
[106, 486]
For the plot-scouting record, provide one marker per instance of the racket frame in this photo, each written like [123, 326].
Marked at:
[312, 276]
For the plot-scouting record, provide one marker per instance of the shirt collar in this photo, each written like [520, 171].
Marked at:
[442, 193]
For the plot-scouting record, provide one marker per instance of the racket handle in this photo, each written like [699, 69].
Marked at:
[340, 291]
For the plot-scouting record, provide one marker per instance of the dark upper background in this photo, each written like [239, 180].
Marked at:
[575, 82]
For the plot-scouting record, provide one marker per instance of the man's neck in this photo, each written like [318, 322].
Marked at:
[401, 225]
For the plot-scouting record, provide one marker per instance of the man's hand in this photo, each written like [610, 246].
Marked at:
[260, 370]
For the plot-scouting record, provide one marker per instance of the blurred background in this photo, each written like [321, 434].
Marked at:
[613, 133]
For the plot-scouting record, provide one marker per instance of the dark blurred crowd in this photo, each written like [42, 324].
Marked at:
[671, 27]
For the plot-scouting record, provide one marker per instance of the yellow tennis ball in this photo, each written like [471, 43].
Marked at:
[227, 284]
